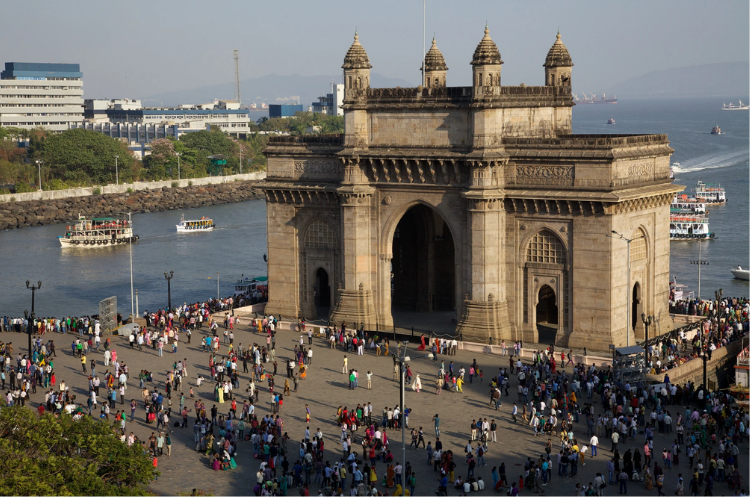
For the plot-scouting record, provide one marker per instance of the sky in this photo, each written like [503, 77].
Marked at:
[139, 48]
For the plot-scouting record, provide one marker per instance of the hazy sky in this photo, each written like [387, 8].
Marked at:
[138, 48]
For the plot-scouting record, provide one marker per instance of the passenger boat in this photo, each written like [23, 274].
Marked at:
[611, 121]
[202, 225]
[681, 204]
[741, 274]
[710, 194]
[689, 227]
[716, 130]
[101, 232]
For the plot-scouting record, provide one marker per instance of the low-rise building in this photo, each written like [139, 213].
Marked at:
[48, 95]
[283, 110]
[126, 119]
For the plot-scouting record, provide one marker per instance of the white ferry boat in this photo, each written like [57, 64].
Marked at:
[689, 227]
[710, 194]
[203, 225]
[251, 287]
[101, 232]
[681, 204]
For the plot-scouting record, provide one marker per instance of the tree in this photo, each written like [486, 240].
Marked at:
[51, 456]
[78, 151]
[207, 143]
[161, 158]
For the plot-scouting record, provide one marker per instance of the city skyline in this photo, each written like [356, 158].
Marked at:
[164, 49]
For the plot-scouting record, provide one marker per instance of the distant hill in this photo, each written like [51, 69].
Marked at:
[271, 89]
[705, 80]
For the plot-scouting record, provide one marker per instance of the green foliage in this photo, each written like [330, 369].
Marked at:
[175, 184]
[25, 187]
[55, 184]
[129, 190]
[205, 143]
[97, 190]
[59, 456]
[299, 123]
[91, 152]
[253, 158]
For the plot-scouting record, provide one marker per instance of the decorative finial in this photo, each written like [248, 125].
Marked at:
[486, 28]
[356, 36]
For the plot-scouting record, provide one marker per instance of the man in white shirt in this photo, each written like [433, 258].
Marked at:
[594, 442]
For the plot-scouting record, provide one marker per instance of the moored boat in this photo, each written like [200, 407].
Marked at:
[97, 232]
[202, 225]
[710, 194]
[686, 227]
[681, 204]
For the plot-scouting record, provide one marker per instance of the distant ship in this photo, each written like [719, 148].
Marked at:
[716, 130]
[253, 106]
[591, 99]
[611, 121]
[732, 107]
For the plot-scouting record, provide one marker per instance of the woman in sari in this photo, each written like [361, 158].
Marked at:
[422, 344]
[648, 479]
[390, 476]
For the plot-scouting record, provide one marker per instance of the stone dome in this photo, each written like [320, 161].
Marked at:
[486, 52]
[433, 60]
[558, 55]
[356, 57]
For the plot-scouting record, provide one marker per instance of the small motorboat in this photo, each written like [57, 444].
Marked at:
[611, 121]
[741, 274]
[716, 130]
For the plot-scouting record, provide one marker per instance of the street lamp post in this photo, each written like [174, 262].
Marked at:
[628, 319]
[39, 166]
[217, 286]
[647, 320]
[30, 317]
[130, 249]
[700, 263]
[179, 176]
[403, 359]
[168, 276]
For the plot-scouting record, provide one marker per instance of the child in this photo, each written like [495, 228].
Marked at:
[481, 375]
[192, 396]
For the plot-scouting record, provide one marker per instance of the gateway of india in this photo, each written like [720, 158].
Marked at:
[478, 201]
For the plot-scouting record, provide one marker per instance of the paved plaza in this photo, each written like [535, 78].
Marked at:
[324, 390]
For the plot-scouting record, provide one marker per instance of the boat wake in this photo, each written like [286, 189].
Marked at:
[702, 163]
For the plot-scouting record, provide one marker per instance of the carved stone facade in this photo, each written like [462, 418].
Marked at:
[473, 199]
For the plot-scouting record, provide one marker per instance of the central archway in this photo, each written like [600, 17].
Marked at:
[423, 274]
[547, 316]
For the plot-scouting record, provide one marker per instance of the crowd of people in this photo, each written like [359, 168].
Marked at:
[568, 412]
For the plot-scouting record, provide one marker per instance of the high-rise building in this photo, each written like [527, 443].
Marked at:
[48, 95]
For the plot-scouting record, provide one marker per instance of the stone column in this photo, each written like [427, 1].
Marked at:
[485, 308]
[355, 296]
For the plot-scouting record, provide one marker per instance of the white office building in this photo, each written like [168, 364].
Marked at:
[47, 95]
[330, 104]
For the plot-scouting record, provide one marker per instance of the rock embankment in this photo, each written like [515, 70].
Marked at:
[38, 213]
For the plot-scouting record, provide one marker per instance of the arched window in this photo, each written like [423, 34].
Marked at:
[479, 82]
[489, 80]
[545, 247]
[319, 235]
[350, 82]
[638, 247]
[437, 82]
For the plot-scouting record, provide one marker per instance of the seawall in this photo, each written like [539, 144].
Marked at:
[39, 212]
